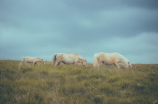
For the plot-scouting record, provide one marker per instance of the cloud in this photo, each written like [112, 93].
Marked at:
[142, 4]
[42, 28]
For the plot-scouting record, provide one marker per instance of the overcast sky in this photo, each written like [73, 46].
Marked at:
[40, 28]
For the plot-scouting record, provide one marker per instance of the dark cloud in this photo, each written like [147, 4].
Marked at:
[42, 28]
[152, 4]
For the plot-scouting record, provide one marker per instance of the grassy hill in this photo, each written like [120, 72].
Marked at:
[69, 84]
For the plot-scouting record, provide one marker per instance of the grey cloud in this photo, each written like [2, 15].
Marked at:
[108, 22]
[148, 4]
[42, 28]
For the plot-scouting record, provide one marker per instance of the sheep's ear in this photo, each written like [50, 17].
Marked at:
[128, 62]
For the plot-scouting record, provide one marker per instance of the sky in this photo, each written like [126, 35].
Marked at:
[41, 28]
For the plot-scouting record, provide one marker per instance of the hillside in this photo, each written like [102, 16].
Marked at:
[69, 84]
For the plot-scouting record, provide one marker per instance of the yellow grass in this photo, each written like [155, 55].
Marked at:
[69, 84]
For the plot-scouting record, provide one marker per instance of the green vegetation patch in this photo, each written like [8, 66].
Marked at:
[70, 84]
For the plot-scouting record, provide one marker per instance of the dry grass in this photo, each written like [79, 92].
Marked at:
[69, 84]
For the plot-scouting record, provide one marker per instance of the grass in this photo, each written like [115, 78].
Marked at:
[69, 84]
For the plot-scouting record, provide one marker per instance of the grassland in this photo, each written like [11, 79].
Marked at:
[69, 84]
